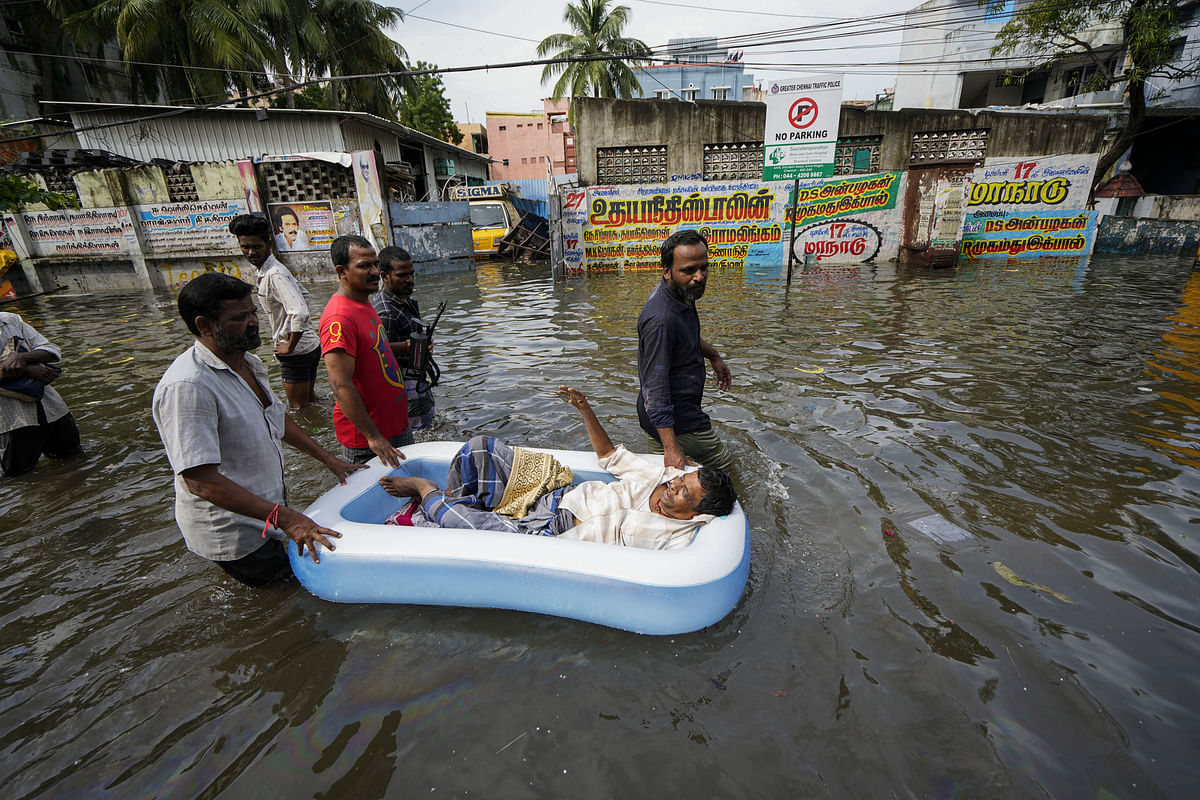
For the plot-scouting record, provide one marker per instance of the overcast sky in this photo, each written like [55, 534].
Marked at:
[495, 31]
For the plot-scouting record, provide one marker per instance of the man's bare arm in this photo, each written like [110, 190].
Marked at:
[595, 431]
[720, 368]
[207, 483]
[340, 366]
[298, 438]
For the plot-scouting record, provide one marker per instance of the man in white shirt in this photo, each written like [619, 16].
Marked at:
[295, 341]
[34, 420]
[222, 426]
[652, 505]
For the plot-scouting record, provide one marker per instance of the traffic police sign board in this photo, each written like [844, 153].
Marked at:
[802, 128]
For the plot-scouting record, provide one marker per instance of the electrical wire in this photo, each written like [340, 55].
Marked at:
[912, 21]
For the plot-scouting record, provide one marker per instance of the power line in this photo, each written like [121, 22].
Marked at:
[753, 40]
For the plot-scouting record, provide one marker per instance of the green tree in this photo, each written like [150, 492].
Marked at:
[596, 31]
[202, 50]
[221, 41]
[355, 44]
[1057, 31]
[16, 193]
[427, 109]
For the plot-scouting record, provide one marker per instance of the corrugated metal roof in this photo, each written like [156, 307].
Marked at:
[181, 133]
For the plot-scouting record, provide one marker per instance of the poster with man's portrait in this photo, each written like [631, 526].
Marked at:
[302, 226]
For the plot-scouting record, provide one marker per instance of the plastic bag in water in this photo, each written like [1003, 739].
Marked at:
[940, 530]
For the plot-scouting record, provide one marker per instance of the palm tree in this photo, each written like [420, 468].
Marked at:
[355, 44]
[200, 50]
[294, 32]
[596, 32]
[220, 42]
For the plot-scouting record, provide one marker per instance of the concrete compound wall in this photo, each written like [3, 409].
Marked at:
[128, 234]
[1008, 134]
[686, 127]
[1148, 236]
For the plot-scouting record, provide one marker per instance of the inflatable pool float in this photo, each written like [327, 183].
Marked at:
[645, 591]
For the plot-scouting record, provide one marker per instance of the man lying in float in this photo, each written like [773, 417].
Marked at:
[493, 487]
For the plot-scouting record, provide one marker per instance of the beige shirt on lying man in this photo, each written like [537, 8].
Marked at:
[619, 512]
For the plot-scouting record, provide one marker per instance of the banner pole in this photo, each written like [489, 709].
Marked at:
[792, 237]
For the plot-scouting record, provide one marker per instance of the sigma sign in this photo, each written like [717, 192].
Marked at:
[475, 192]
[843, 241]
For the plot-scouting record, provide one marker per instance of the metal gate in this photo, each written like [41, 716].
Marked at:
[934, 207]
[437, 235]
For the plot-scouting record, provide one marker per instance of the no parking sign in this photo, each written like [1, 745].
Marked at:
[802, 128]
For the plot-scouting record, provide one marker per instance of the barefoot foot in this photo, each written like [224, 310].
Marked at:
[398, 486]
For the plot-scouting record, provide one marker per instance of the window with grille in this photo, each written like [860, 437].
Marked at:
[857, 154]
[181, 186]
[689, 94]
[720, 93]
[61, 182]
[731, 161]
[663, 94]
[930, 147]
[646, 164]
[297, 180]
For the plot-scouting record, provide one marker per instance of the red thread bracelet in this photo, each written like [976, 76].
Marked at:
[272, 520]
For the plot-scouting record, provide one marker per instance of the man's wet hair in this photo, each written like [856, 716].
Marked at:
[719, 494]
[339, 251]
[392, 255]
[251, 225]
[203, 296]
[684, 237]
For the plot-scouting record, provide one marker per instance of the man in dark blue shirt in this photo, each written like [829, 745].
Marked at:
[401, 318]
[671, 357]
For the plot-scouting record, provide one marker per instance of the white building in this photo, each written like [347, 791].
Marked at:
[946, 62]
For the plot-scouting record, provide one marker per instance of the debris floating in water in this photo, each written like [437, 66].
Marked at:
[940, 530]
[1017, 580]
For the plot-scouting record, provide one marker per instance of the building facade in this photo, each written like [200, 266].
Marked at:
[946, 62]
[474, 137]
[27, 77]
[531, 144]
[417, 166]
[699, 69]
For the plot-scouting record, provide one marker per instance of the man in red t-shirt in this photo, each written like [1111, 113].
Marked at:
[371, 411]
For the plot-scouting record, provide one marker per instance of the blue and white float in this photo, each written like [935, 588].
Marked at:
[646, 591]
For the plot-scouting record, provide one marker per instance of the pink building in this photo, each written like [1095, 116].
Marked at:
[528, 145]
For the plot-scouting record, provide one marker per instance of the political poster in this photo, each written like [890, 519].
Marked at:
[802, 128]
[613, 228]
[302, 225]
[1031, 183]
[838, 221]
[846, 220]
[1024, 207]
[1029, 234]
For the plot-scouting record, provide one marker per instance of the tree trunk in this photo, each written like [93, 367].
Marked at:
[1136, 91]
[1133, 126]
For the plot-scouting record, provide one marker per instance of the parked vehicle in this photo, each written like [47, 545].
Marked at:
[492, 215]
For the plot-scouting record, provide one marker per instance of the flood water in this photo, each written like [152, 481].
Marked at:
[974, 502]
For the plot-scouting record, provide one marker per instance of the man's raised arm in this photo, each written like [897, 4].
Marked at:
[595, 431]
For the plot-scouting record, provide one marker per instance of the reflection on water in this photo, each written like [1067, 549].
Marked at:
[973, 497]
